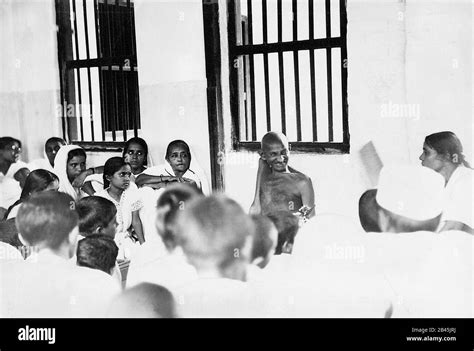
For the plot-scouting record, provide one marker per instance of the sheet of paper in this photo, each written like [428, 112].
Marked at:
[372, 162]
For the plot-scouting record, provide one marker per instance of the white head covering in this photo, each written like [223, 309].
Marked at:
[42, 163]
[194, 172]
[413, 192]
[60, 169]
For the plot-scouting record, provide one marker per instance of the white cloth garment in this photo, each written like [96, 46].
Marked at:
[218, 298]
[129, 202]
[459, 197]
[170, 270]
[60, 169]
[194, 172]
[116, 273]
[414, 192]
[48, 286]
[430, 274]
[166, 170]
[327, 274]
[10, 189]
[97, 180]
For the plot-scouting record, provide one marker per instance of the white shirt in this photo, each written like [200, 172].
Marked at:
[116, 273]
[10, 189]
[459, 197]
[430, 274]
[129, 202]
[171, 270]
[218, 298]
[48, 286]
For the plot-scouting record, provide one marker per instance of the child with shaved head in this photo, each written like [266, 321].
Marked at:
[280, 187]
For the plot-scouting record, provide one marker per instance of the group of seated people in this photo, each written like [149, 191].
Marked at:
[71, 230]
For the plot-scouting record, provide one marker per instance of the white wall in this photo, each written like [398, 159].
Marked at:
[29, 73]
[401, 55]
[172, 76]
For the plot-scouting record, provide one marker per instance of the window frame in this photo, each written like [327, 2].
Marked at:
[68, 66]
[237, 50]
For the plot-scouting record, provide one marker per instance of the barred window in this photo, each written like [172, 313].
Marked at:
[98, 70]
[288, 64]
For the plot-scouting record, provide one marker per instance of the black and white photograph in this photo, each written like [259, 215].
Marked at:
[237, 159]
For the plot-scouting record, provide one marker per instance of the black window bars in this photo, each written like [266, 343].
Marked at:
[98, 70]
[307, 102]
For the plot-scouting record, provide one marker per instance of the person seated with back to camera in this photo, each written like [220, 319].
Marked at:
[145, 300]
[97, 251]
[46, 284]
[170, 268]
[37, 181]
[431, 273]
[216, 237]
[97, 216]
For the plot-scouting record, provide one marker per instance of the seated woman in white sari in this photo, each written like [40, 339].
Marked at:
[51, 148]
[70, 167]
[177, 168]
[135, 152]
[119, 190]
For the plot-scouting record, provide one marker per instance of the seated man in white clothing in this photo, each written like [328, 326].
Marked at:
[46, 285]
[216, 237]
[150, 263]
[97, 215]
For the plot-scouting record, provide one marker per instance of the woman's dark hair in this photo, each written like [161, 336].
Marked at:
[112, 165]
[447, 143]
[54, 140]
[175, 197]
[5, 141]
[37, 181]
[139, 141]
[175, 143]
[76, 152]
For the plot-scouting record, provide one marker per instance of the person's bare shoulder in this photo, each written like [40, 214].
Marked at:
[299, 176]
